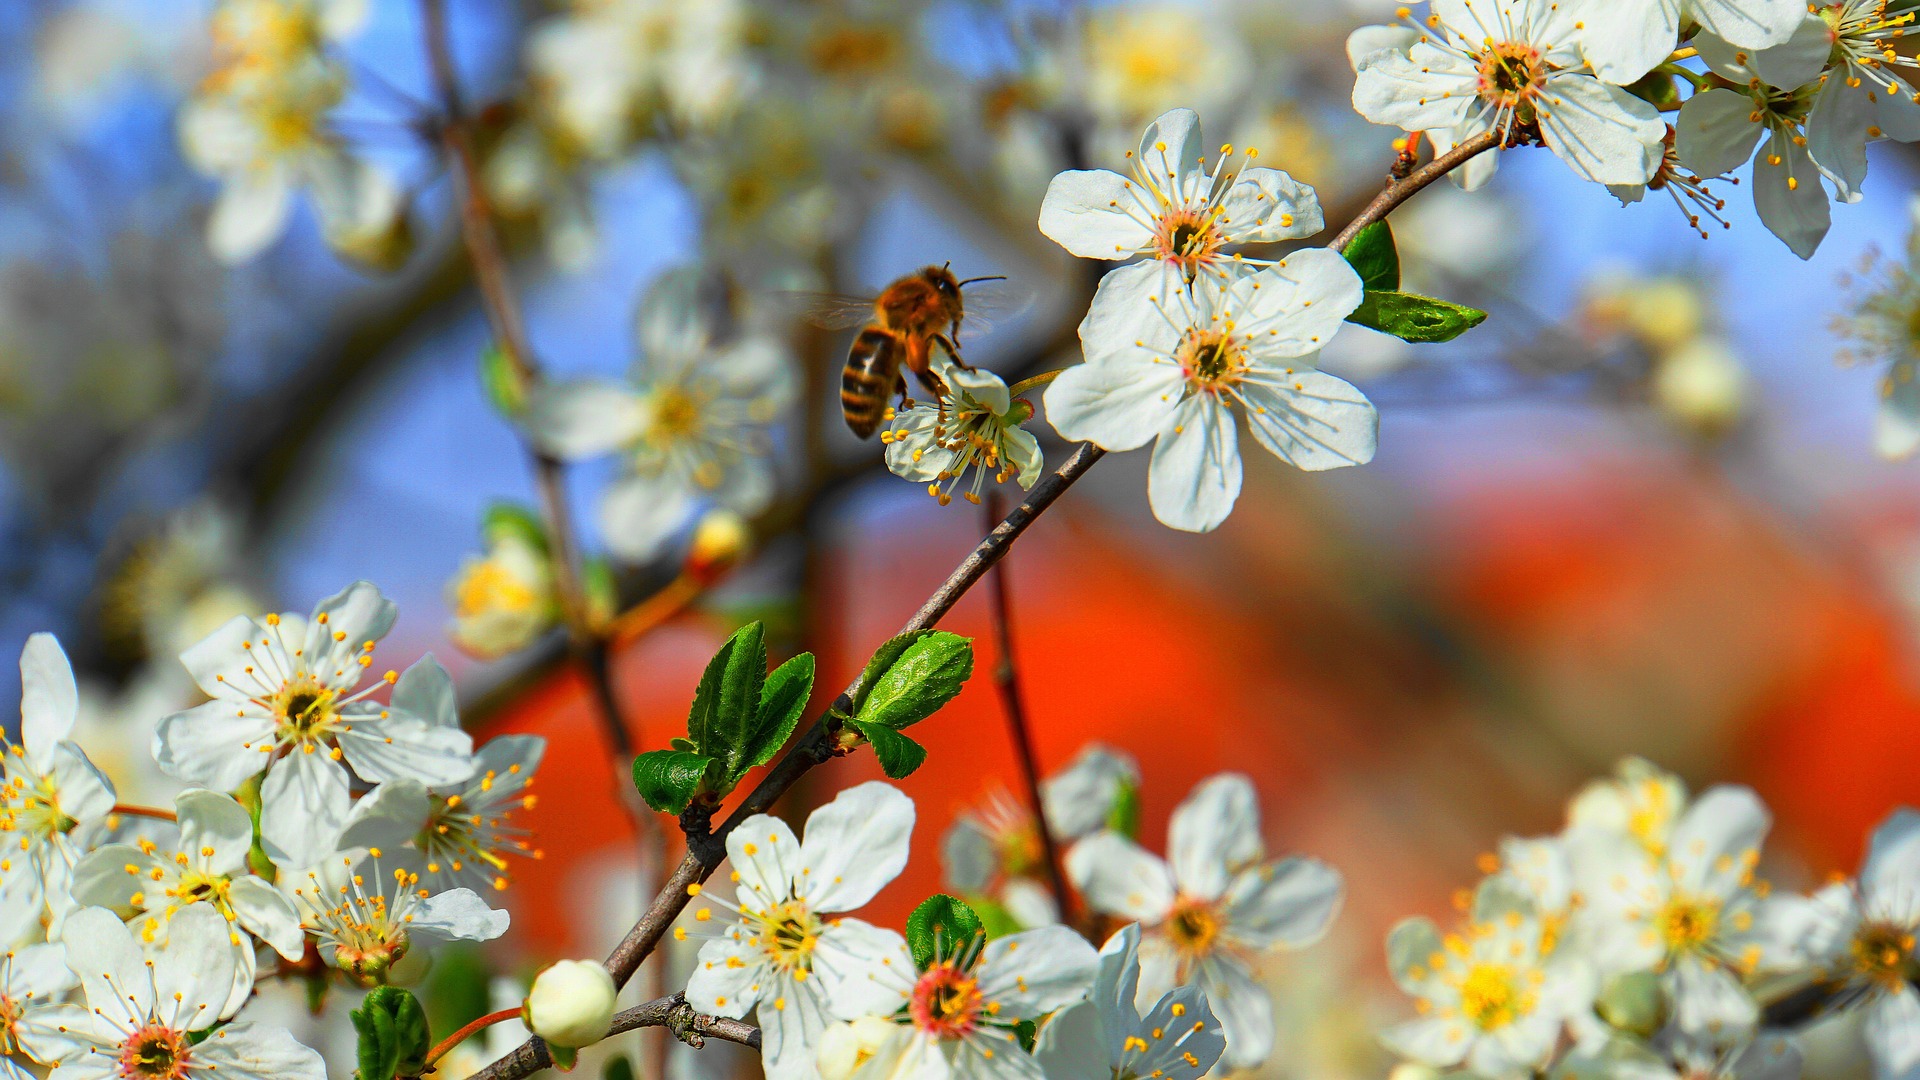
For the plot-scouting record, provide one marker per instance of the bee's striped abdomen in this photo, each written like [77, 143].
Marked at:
[869, 379]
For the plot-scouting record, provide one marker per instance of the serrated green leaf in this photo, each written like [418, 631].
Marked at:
[1374, 257]
[898, 755]
[782, 701]
[882, 659]
[1411, 317]
[682, 744]
[510, 520]
[923, 676]
[941, 928]
[728, 695]
[669, 779]
[505, 390]
[393, 1036]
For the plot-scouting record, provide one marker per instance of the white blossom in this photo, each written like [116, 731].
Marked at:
[1106, 1036]
[1625, 39]
[977, 426]
[504, 600]
[1505, 65]
[32, 979]
[1172, 364]
[778, 952]
[1862, 939]
[285, 701]
[1212, 906]
[142, 1006]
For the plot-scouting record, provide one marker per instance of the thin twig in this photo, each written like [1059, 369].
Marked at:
[445, 1045]
[1006, 680]
[1399, 191]
[130, 810]
[815, 747]
[671, 1012]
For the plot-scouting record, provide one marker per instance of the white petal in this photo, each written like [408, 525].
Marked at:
[1790, 197]
[1435, 1042]
[1137, 311]
[458, 915]
[1117, 404]
[1773, 1057]
[49, 701]
[267, 914]
[1716, 132]
[85, 792]
[39, 971]
[1896, 431]
[766, 856]
[344, 624]
[1604, 133]
[1195, 476]
[1185, 1010]
[1116, 983]
[1313, 420]
[1837, 131]
[1427, 88]
[1800, 59]
[1244, 1009]
[216, 743]
[102, 952]
[1750, 23]
[1267, 205]
[723, 982]
[1411, 945]
[1893, 1034]
[1890, 878]
[1899, 113]
[214, 825]
[388, 816]
[193, 975]
[1717, 842]
[1294, 307]
[1080, 797]
[854, 846]
[1074, 1045]
[871, 970]
[1095, 214]
[404, 748]
[1034, 972]
[426, 691]
[219, 661]
[1368, 40]
[1119, 877]
[1290, 903]
[250, 214]
[791, 1024]
[1625, 39]
[1709, 1000]
[585, 419]
[303, 805]
[249, 1051]
[638, 514]
[1214, 833]
[1178, 131]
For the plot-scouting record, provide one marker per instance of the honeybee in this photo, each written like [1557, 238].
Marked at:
[903, 324]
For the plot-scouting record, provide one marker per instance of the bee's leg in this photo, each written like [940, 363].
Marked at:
[900, 387]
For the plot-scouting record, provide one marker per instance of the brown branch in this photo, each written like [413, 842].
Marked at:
[1006, 680]
[815, 747]
[1399, 191]
[671, 1012]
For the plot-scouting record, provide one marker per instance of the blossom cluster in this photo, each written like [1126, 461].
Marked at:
[321, 828]
[1642, 941]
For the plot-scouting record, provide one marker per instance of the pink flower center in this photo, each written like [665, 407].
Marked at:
[155, 1052]
[946, 1002]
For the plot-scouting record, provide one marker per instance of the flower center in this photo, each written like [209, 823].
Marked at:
[1193, 925]
[305, 708]
[1883, 954]
[946, 1002]
[1488, 996]
[492, 587]
[675, 415]
[1512, 74]
[154, 1051]
[31, 804]
[788, 933]
[1187, 238]
[1211, 359]
[1686, 924]
[10, 1011]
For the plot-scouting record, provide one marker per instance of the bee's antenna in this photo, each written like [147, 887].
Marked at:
[989, 277]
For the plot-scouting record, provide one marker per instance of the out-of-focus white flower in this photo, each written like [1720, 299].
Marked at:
[142, 1007]
[1863, 939]
[1718, 129]
[1702, 385]
[1141, 59]
[55, 803]
[1211, 905]
[571, 1003]
[977, 426]
[1174, 211]
[284, 701]
[1879, 326]
[1641, 801]
[32, 978]
[691, 426]
[778, 952]
[469, 834]
[1768, 1056]
[846, 1045]
[1506, 65]
[1171, 364]
[1106, 1036]
[960, 1015]
[1625, 39]
[149, 886]
[1694, 911]
[503, 600]
[1493, 998]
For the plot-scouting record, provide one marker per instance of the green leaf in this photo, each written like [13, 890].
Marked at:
[923, 676]
[994, 916]
[941, 928]
[1124, 816]
[1374, 257]
[898, 755]
[393, 1035]
[1411, 317]
[1658, 89]
[504, 388]
[782, 700]
[455, 989]
[728, 699]
[669, 779]
[882, 659]
[682, 744]
[600, 589]
[509, 520]
[617, 1068]
[1026, 1031]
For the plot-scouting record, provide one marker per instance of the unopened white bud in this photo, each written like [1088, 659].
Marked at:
[847, 1045]
[571, 1003]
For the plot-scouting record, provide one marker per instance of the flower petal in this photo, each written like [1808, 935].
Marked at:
[867, 970]
[577, 420]
[215, 743]
[1214, 833]
[1625, 39]
[766, 855]
[1604, 133]
[215, 827]
[854, 846]
[1312, 420]
[457, 915]
[1118, 877]
[1290, 903]
[249, 1051]
[1096, 214]
[1267, 205]
[267, 914]
[1716, 132]
[1420, 90]
[1116, 404]
[49, 701]
[303, 805]
[1034, 972]
[405, 748]
[1244, 1009]
[1195, 476]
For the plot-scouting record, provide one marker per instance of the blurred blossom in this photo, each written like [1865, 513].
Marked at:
[504, 599]
[1640, 800]
[1882, 326]
[178, 584]
[1142, 59]
[1661, 312]
[1702, 385]
[537, 169]
[692, 425]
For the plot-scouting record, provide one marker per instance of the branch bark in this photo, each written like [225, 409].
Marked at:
[671, 1012]
[1399, 191]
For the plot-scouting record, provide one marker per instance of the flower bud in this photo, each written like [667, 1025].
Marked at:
[1702, 385]
[847, 1045]
[1635, 1003]
[571, 1004]
[719, 542]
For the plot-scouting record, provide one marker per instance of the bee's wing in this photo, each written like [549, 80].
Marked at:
[992, 303]
[830, 311]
